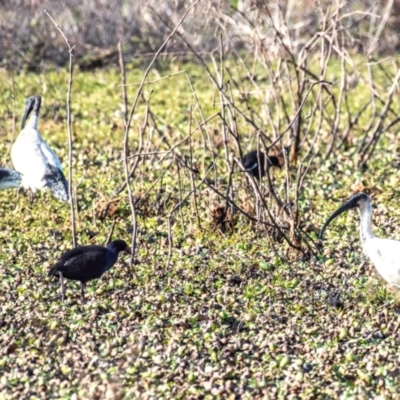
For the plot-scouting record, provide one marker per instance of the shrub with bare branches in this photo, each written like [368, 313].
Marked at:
[95, 27]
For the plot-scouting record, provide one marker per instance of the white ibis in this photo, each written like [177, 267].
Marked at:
[9, 178]
[384, 253]
[254, 163]
[34, 159]
[87, 262]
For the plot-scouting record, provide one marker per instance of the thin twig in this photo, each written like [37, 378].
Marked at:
[129, 120]
[69, 125]
[158, 79]
[110, 234]
[123, 80]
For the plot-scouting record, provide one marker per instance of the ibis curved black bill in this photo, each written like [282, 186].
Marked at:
[354, 202]
[32, 104]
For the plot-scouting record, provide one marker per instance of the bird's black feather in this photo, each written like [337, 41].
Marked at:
[57, 183]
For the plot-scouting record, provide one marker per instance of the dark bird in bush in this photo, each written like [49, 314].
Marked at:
[254, 163]
[34, 159]
[384, 253]
[87, 262]
[9, 178]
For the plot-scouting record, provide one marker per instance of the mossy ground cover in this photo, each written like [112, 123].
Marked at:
[224, 315]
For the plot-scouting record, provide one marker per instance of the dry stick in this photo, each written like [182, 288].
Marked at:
[175, 208]
[274, 223]
[310, 44]
[146, 73]
[300, 88]
[299, 110]
[196, 209]
[370, 146]
[220, 75]
[260, 42]
[353, 121]
[158, 79]
[317, 107]
[109, 237]
[163, 138]
[69, 124]
[123, 80]
[288, 212]
[233, 129]
[380, 133]
[203, 63]
[275, 129]
[315, 77]
[195, 173]
[267, 110]
[217, 192]
[203, 122]
[393, 123]
[278, 201]
[13, 112]
[166, 153]
[373, 89]
[133, 108]
[260, 198]
[299, 183]
[381, 26]
[140, 148]
[125, 160]
[337, 116]
[149, 153]
[250, 76]
[171, 151]
[122, 187]
[191, 181]
[232, 104]
[154, 183]
[143, 127]
[226, 98]
[180, 192]
[374, 110]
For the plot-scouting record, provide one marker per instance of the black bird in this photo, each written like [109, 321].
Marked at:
[9, 178]
[254, 163]
[87, 262]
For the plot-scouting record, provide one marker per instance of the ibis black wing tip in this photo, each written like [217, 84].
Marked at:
[57, 183]
[9, 178]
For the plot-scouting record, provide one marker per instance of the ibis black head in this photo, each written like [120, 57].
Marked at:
[32, 104]
[356, 201]
[119, 245]
[254, 163]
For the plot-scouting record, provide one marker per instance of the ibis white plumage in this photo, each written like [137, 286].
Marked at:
[34, 159]
[384, 253]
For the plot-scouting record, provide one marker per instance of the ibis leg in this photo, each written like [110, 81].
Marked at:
[30, 194]
[83, 292]
[62, 285]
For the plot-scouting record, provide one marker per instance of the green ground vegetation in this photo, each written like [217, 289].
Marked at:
[232, 312]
